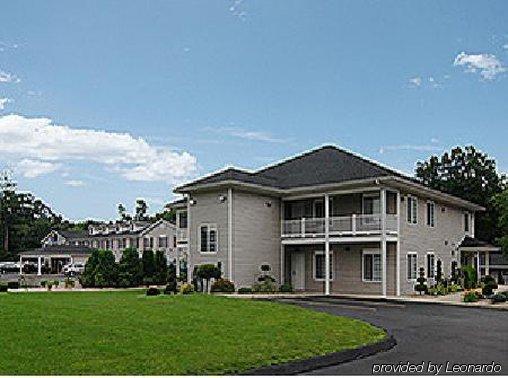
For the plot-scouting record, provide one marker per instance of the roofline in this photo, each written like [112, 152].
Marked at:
[264, 188]
[153, 225]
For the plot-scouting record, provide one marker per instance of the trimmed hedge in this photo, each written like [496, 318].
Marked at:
[152, 291]
[223, 286]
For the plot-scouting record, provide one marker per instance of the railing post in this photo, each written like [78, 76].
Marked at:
[302, 228]
[353, 224]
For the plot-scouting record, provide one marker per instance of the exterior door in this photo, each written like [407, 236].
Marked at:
[298, 271]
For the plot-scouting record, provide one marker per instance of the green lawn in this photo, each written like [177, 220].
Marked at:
[127, 333]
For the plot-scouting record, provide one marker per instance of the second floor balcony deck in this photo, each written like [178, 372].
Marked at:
[350, 225]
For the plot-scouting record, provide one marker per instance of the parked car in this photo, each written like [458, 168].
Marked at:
[73, 269]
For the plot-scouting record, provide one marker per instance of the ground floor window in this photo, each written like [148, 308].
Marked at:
[371, 266]
[431, 261]
[412, 262]
[319, 265]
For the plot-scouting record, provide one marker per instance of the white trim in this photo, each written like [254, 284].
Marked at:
[327, 243]
[411, 253]
[321, 252]
[230, 234]
[397, 258]
[371, 251]
[427, 219]
[339, 240]
[375, 194]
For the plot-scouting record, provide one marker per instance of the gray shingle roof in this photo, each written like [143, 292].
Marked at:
[325, 165]
[73, 234]
[59, 250]
[469, 242]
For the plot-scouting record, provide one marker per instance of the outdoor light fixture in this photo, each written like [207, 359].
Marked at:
[192, 202]
[268, 204]
[222, 198]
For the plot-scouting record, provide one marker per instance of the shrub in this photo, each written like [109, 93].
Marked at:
[171, 288]
[186, 289]
[152, 291]
[439, 271]
[264, 287]
[487, 289]
[56, 283]
[421, 287]
[13, 285]
[147, 281]
[3, 287]
[101, 270]
[244, 290]
[471, 296]
[499, 298]
[470, 278]
[43, 283]
[453, 288]
[286, 288]
[223, 286]
[49, 285]
[500, 278]
[489, 280]
[68, 283]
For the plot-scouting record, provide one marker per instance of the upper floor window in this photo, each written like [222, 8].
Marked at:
[319, 265]
[208, 238]
[431, 214]
[163, 241]
[182, 219]
[412, 210]
[371, 204]
[371, 266]
[467, 225]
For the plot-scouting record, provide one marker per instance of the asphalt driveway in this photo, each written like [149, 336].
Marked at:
[425, 334]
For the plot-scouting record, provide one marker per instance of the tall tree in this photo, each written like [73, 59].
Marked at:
[471, 175]
[121, 211]
[141, 209]
[501, 203]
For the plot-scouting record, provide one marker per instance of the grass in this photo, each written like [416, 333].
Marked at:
[128, 333]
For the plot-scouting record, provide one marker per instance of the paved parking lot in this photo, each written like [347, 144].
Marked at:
[424, 333]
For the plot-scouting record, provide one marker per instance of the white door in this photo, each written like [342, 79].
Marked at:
[298, 271]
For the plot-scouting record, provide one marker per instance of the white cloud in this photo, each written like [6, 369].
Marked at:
[34, 168]
[415, 81]
[505, 46]
[6, 77]
[237, 132]
[237, 9]
[410, 147]
[486, 64]
[3, 102]
[74, 183]
[38, 139]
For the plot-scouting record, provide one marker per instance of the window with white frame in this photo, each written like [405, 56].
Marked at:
[208, 236]
[371, 266]
[467, 218]
[371, 203]
[431, 265]
[412, 265]
[431, 214]
[163, 241]
[319, 266]
[412, 209]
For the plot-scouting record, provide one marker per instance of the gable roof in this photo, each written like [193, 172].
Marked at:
[73, 234]
[59, 250]
[324, 165]
[470, 243]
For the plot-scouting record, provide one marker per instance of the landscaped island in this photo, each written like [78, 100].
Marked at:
[126, 332]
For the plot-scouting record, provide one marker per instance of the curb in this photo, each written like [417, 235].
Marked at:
[336, 358]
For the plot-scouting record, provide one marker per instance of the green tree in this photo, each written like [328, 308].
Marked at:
[141, 209]
[130, 269]
[101, 270]
[206, 272]
[161, 268]
[500, 202]
[148, 264]
[469, 174]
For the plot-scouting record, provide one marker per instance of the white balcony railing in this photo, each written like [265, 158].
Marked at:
[344, 225]
[181, 234]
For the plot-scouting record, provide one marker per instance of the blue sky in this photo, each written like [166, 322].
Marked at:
[102, 102]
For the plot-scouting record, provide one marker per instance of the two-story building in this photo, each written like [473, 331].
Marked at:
[326, 220]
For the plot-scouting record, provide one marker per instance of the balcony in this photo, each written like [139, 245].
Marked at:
[181, 235]
[351, 225]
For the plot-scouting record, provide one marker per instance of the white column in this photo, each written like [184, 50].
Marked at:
[487, 263]
[397, 261]
[189, 244]
[327, 245]
[230, 233]
[20, 265]
[39, 266]
[177, 262]
[478, 271]
[382, 199]
[282, 249]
